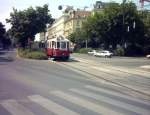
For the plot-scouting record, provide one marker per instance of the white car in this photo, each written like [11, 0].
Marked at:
[104, 54]
[148, 56]
[92, 52]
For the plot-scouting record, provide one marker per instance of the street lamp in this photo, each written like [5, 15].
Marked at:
[60, 7]
[134, 24]
[128, 28]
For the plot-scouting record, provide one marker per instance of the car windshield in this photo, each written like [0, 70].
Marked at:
[106, 51]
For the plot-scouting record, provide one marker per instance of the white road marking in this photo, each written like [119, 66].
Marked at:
[51, 106]
[115, 94]
[102, 69]
[15, 108]
[112, 101]
[84, 103]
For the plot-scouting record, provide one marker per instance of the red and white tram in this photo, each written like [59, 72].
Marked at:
[58, 48]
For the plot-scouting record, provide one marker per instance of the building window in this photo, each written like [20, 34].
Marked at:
[77, 29]
[78, 22]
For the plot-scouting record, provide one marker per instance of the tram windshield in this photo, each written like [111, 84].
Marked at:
[63, 45]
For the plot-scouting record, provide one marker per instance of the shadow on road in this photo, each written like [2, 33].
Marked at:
[6, 59]
[70, 60]
[2, 53]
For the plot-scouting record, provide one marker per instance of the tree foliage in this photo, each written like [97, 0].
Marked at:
[4, 38]
[27, 23]
[2, 32]
[117, 24]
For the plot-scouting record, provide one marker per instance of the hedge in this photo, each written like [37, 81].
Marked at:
[31, 54]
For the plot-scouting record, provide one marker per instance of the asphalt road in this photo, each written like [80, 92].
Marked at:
[32, 87]
[129, 62]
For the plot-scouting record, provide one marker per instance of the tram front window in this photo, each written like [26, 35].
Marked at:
[63, 45]
[58, 44]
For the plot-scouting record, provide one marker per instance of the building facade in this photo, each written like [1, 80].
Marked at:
[75, 21]
[99, 7]
[57, 27]
[67, 23]
[71, 21]
[42, 36]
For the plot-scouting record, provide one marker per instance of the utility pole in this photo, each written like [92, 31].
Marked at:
[123, 20]
[123, 3]
[86, 44]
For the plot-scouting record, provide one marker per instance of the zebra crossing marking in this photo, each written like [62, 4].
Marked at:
[84, 103]
[15, 108]
[112, 102]
[115, 94]
[51, 106]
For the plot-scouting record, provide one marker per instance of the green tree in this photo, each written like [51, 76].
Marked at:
[117, 24]
[77, 38]
[2, 32]
[27, 23]
[4, 38]
[98, 27]
[145, 16]
[94, 29]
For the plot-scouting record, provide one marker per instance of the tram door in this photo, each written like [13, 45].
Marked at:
[53, 47]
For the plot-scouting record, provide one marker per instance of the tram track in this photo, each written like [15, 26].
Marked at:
[107, 80]
[116, 69]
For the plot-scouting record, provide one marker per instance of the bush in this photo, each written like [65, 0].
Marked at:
[134, 50]
[23, 52]
[147, 49]
[119, 52]
[84, 50]
[27, 53]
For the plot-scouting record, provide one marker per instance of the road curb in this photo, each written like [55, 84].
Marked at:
[145, 67]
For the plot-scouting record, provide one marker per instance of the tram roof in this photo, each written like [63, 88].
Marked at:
[59, 38]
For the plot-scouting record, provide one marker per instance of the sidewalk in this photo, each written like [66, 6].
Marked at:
[145, 67]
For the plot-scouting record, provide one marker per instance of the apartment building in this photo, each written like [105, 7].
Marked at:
[71, 21]
[68, 23]
[57, 28]
[75, 21]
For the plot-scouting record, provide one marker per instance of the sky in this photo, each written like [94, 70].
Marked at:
[6, 6]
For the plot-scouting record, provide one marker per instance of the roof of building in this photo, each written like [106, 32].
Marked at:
[82, 13]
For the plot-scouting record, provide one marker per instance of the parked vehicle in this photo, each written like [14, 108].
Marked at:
[148, 56]
[92, 52]
[104, 54]
[58, 48]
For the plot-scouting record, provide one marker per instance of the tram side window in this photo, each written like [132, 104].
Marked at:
[67, 45]
[50, 44]
[47, 44]
[63, 45]
[58, 44]
[53, 44]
